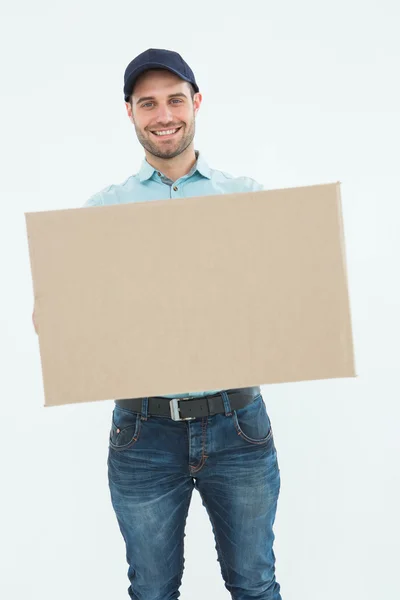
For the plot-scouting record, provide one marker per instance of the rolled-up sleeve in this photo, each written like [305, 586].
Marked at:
[95, 200]
[257, 187]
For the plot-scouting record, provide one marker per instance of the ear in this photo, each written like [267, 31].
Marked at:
[197, 100]
[129, 111]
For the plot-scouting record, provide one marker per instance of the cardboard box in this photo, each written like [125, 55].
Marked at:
[191, 294]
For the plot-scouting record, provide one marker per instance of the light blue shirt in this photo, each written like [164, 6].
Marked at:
[149, 184]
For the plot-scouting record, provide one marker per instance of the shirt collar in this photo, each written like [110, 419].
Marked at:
[146, 170]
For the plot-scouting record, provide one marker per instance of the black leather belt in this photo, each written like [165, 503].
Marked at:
[185, 409]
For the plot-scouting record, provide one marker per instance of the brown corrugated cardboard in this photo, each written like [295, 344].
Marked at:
[171, 296]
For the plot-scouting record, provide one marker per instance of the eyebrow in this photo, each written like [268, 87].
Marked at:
[143, 98]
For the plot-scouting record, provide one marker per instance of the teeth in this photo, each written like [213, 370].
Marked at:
[169, 132]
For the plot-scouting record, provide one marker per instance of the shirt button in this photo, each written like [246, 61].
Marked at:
[158, 173]
[175, 188]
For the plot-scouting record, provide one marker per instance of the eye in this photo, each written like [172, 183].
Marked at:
[173, 100]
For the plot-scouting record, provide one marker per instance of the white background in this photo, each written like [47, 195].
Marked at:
[294, 93]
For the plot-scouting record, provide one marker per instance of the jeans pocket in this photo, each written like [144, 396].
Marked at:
[125, 428]
[252, 422]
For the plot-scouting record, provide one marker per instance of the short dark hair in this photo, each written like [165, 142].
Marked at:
[192, 93]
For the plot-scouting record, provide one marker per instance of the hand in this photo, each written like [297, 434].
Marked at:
[34, 322]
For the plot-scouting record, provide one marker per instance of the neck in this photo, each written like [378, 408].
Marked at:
[176, 167]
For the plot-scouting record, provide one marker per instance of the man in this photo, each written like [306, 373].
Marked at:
[217, 441]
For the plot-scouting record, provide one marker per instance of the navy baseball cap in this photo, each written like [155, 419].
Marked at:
[155, 58]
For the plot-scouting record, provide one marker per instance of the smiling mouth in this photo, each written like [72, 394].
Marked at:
[166, 133]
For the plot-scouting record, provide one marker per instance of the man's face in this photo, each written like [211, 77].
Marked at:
[161, 101]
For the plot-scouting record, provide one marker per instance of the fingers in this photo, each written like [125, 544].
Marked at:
[34, 322]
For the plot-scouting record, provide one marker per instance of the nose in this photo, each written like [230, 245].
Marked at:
[164, 115]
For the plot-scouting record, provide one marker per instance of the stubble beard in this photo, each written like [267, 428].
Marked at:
[170, 151]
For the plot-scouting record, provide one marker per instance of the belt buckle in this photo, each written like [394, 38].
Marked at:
[174, 408]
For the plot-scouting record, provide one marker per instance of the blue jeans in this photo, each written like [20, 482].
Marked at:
[155, 462]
